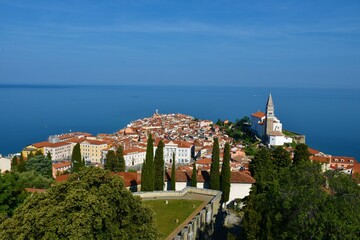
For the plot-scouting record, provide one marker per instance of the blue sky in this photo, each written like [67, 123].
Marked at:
[236, 43]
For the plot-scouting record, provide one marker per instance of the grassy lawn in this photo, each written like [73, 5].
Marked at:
[288, 133]
[165, 214]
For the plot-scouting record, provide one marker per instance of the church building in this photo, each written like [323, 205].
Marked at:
[268, 127]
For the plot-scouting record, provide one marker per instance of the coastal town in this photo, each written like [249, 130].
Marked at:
[189, 138]
[190, 147]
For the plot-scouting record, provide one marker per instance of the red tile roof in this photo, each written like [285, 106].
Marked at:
[343, 159]
[130, 178]
[35, 190]
[61, 165]
[258, 114]
[204, 161]
[313, 151]
[41, 144]
[133, 150]
[62, 178]
[321, 159]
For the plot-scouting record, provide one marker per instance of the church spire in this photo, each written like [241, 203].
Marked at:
[270, 107]
[269, 101]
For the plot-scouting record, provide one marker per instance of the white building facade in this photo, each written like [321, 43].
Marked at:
[181, 149]
[59, 151]
[134, 156]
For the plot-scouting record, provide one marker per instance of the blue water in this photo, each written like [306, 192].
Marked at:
[328, 117]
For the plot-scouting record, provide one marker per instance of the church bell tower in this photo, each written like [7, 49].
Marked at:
[270, 116]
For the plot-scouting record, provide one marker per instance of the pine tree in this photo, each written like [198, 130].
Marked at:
[76, 158]
[14, 163]
[173, 174]
[147, 174]
[214, 170]
[225, 174]
[159, 167]
[194, 176]
[120, 165]
[21, 165]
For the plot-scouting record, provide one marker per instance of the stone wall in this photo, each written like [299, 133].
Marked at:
[202, 224]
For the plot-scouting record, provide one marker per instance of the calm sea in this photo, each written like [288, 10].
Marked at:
[328, 117]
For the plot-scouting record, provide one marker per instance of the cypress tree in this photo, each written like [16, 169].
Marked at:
[193, 176]
[120, 163]
[214, 170]
[76, 158]
[110, 163]
[159, 167]
[83, 162]
[173, 174]
[225, 174]
[14, 163]
[48, 155]
[21, 165]
[147, 173]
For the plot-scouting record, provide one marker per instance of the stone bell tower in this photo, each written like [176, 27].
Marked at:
[270, 116]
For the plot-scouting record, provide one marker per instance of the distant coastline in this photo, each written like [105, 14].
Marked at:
[96, 109]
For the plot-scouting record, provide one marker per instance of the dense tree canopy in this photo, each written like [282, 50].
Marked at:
[12, 188]
[215, 166]
[301, 154]
[39, 164]
[12, 193]
[298, 201]
[92, 204]
[21, 164]
[281, 157]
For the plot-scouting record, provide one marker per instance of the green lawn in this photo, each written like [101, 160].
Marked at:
[166, 214]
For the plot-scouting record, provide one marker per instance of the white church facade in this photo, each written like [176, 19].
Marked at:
[268, 127]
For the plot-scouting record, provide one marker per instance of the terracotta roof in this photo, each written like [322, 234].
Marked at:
[62, 178]
[356, 168]
[130, 178]
[61, 165]
[133, 150]
[258, 114]
[241, 177]
[204, 161]
[95, 142]
[35, 190]
[338, 159]
[76, 140]
[321, 159]
[58, 144]
[41, 144]
[313, 151]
